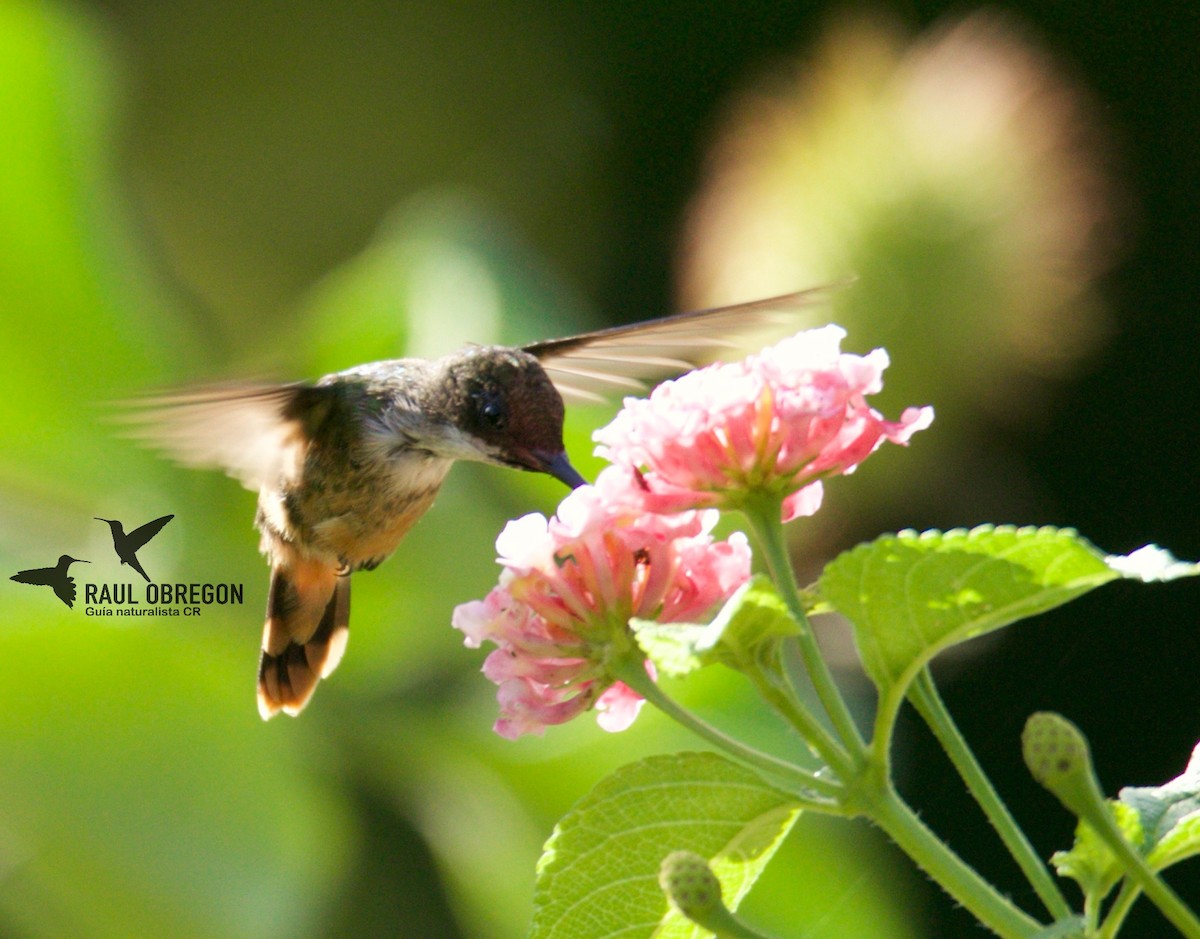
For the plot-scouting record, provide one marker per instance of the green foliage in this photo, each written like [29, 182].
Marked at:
[751, 622]
[909, 595]
[1169, 815]
[599, 874]
[1163, 822]
[99, 798]
[1129, 841]
[1090, 862]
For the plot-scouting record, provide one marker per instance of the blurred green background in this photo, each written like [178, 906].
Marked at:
[198, 190]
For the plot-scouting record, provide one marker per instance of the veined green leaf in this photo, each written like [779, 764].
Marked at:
[1170, 815]
[598, 876]
[910, 595]
[1090, 862]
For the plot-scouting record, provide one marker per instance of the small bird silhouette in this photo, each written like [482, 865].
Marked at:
[56, 577]
[126, 544]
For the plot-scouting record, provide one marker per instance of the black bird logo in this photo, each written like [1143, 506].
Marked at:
[126, 544]
[56, 577]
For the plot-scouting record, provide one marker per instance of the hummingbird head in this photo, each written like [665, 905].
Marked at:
[503, 402]
[68, 560]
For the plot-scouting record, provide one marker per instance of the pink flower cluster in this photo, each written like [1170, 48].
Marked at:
[569, 587]
[637, 544]
[779, 421]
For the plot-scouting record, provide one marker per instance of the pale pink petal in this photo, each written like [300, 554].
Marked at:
[524, 542]
[617, 708]
[474, 620]
[528, 708]
[581, 511]
[912, 420]
[504, 665]
[803, 502]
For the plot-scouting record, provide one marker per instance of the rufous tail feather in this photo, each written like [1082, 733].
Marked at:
[305, 635]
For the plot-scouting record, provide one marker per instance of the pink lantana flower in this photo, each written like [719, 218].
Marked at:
[777, 422]
[569, 587]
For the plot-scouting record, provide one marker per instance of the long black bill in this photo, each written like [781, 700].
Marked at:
[558, 466]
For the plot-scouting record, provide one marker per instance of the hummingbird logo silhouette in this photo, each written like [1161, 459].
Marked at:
[346, 465]
[126, 544]
[56, 577]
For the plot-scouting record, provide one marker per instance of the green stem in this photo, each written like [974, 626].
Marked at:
[776, 688]
[1119, 910]
[929, 704]
[887, 710]
[955, 877]
[879, 802]
[1096, 814]
[633, 673]
[724, 925]
[764, 515]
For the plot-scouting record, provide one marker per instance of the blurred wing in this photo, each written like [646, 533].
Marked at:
[252, 431]
[628, 359]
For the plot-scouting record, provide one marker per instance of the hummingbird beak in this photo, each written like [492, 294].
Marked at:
[558, 466]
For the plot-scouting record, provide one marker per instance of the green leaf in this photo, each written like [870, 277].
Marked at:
[674, 648]
[1090, 863]
[754, 617]
[598, 876]
[1169, 815]
[911, 595]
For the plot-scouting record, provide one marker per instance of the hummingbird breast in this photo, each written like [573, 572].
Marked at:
[353, 497]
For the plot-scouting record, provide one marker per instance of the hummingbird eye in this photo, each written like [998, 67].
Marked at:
[492, 410]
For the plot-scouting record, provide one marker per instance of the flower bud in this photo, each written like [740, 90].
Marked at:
[1057, 755]
[689, 882]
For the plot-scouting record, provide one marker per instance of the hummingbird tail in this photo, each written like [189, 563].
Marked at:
[308, 617]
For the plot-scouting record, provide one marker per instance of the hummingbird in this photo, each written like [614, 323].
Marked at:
[346, 465]
[126, 544]
[56, 577]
